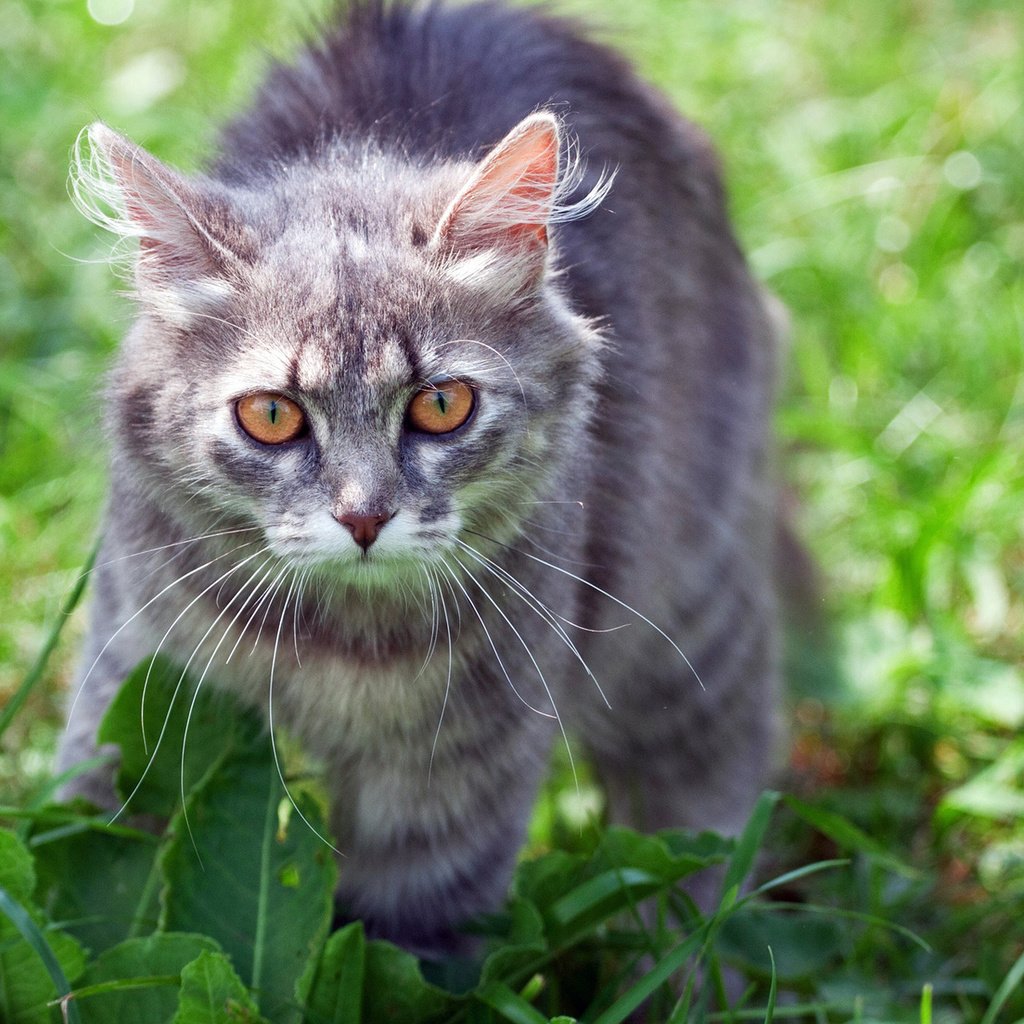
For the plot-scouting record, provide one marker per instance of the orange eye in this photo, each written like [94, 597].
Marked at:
[270, 418]
[442, 407]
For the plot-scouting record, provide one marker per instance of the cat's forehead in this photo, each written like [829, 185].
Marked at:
[358, 204]
[344, 286]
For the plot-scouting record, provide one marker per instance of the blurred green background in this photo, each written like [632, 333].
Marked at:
[873, 151]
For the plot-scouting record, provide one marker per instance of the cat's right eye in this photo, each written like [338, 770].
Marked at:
[270, 418]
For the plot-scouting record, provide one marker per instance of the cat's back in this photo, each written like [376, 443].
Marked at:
[443, 80]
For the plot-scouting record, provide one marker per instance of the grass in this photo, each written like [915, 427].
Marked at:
[873, 156]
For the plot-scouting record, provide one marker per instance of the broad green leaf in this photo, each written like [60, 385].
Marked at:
[336, 996]
[17, 875]
[157, 956]
[212, 993]
[671, 854]
[575, 893]
[36, 963]
[260, 883]
[522, 944]
[101, 884]
[797, 945]
[148, 720]
[544, 879]
[395, 992]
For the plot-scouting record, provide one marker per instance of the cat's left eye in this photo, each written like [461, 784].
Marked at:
[442, 407]
[270, 418]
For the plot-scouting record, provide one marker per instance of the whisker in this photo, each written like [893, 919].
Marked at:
[490, 640]
[434, 622]
[177, 619]
[174, 544]
[128, 621]
[202, 678]
[270, 720]
[447, 689]
[529, 654]
[303, 577]
[174, 695]
[256, 608]
[535, 604]
[611, 597]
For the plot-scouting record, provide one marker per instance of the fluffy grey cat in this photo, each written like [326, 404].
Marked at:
[443, 431]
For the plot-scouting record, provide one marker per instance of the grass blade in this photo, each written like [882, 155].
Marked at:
[665, 968]
[32, 934]
[1005, 990]
[749, 842]
[35, 673]
[769, 1013]
[510, 1006]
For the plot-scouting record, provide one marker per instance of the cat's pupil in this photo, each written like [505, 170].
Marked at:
[442, 402]
[272, 412]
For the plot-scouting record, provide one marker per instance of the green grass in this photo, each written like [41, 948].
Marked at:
[873, 153]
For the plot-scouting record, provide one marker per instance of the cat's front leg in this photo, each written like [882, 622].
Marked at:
[429, 837]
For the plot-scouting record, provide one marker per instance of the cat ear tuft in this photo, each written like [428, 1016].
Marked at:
[502, 213]
[497, 225]
[178, 225]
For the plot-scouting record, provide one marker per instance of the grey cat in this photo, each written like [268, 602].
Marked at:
[444, 435]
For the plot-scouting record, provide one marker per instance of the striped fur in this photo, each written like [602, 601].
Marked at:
[617, 467]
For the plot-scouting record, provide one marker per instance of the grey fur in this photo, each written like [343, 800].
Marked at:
[621, 436]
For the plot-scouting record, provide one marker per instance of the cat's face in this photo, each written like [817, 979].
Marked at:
[358, 361]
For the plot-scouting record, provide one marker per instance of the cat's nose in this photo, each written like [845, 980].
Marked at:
[364, 528]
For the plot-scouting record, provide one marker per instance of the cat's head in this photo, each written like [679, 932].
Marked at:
[368, 358]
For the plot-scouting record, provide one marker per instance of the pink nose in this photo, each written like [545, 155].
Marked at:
[364, 529]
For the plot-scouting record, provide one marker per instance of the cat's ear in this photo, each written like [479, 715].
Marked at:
[184, 230]
[506, 206]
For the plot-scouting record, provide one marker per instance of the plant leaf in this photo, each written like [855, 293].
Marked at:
[156, 957]
[336, 995]
[509, 1005]
[847, 836]
[212, 993]
[792, 945]
[749, 843]
[522, 943]
[394, 990]
[17, 874]
[157, 699]
[97, 882]
[261, 888]
[35, 965]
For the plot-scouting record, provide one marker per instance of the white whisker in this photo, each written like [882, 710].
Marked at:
[540, 673]
[535, 604]
[447, 689]
[177, 619]
[202, 677]
[128, 621]
[487, 633]
[270, 721]
[611, 597]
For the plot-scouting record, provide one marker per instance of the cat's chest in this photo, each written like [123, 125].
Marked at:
[333, 676]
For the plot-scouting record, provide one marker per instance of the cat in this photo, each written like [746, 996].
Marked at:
[449, 399]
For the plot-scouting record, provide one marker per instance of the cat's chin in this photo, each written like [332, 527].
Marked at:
[370, 571]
